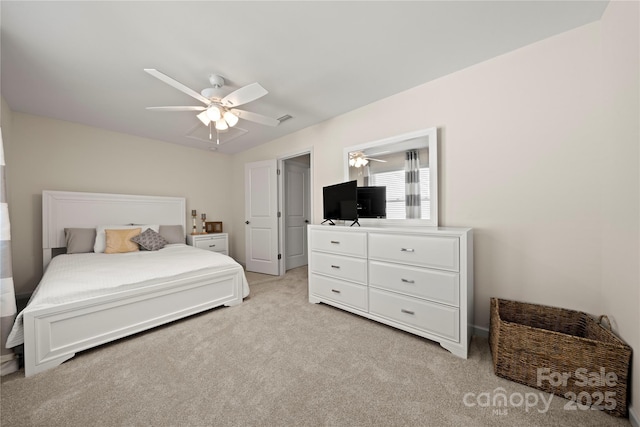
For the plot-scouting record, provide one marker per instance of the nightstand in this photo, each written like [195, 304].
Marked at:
[218, 242]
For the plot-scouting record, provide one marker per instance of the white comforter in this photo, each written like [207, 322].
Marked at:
[81, 276]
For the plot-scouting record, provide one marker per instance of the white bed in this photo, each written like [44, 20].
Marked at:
[70, 312]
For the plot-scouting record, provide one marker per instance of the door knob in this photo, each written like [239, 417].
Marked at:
[306, 221]
[246, 222]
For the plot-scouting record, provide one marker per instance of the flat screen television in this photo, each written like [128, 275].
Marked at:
[340, 202]
[372, 202]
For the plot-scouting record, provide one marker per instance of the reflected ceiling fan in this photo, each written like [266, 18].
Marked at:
[220, 113]
[358, 159]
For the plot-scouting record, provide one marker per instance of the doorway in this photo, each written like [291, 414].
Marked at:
[296, 210]
[278, 207]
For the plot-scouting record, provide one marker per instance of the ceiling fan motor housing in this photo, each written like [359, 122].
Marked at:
[216, 80]
[210, 92]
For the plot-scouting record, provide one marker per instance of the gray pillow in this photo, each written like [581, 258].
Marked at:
[80, 240]
[150, 240]
[172, 233]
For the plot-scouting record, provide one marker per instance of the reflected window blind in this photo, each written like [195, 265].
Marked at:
[394, 181]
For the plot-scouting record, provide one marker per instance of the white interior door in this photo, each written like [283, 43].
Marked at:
[296, 213]
[261, 213]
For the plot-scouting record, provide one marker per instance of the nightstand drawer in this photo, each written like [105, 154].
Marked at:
[215, 245]
[210, 242]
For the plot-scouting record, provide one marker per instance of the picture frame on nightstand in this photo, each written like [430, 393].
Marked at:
[213, 226]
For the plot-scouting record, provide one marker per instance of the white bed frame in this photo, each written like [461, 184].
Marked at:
[53, 335]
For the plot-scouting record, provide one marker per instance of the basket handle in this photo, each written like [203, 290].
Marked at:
[604, 317]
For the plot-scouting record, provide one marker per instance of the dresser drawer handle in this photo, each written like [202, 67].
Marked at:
[408, 281]
[212, 246]
[335, 242]
[335, 291]
[407, 311]
[335, 266]
[407, 250]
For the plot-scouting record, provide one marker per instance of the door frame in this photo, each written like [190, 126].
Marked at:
[281, 202]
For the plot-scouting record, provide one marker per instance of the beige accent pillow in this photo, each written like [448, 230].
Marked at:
[119, 241]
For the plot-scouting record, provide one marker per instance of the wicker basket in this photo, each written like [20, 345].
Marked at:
[560, 351]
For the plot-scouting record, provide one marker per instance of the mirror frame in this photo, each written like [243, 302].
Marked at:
[432, 135]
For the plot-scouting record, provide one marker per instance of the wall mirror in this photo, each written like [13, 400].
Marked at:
[407, 165]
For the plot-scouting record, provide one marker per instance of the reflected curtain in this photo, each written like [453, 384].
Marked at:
[412, 184]
[366, 175]
[8, 362]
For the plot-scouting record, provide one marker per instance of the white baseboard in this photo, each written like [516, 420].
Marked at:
[633, 417]
[479, 331]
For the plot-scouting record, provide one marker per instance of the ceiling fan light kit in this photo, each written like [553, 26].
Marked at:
[222, 125]
[358, 162]
[358, 159]
[218, 110]
[204, 118]
[230, 118]
[213, 113]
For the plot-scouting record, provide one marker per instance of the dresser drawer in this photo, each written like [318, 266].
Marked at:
[341, 267]
[346, 293]
[427, 251]
[339, 242]
[435, 285]
[429, 317]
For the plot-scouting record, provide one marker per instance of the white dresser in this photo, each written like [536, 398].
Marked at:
[418, 279]
[217, 242]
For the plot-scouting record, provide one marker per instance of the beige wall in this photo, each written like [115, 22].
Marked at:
[620, 280]
[45, 154]
[531, 159]
[5, 120]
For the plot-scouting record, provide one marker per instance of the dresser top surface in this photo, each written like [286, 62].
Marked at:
[393, 229]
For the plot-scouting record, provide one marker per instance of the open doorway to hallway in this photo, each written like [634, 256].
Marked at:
[296, 209]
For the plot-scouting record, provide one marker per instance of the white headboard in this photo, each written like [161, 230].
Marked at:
[67, 209]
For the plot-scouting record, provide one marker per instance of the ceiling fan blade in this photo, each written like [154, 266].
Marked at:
[176, 84]
[255, 117]
[243, 95]
[376, 160]
[185, 108]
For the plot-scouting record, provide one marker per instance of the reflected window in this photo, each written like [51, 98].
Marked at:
[394, 181]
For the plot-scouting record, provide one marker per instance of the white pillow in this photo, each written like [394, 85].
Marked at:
[101, 240]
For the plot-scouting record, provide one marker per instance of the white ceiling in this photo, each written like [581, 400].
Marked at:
[83, 61]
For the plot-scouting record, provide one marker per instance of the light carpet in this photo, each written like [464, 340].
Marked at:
[277, 360]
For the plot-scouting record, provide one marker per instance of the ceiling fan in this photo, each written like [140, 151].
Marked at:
[220, 113]
[358, 159]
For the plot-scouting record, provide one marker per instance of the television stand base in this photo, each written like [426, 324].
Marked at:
[330, 222]
[354, 223]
